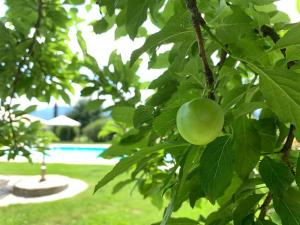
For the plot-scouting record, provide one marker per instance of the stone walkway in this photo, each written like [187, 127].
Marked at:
[75, 187]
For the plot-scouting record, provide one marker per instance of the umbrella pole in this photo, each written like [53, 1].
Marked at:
[43, 169]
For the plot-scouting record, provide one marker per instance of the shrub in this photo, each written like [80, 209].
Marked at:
[65, 133]
[92, 129]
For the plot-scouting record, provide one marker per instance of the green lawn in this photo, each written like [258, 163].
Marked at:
[103, 208]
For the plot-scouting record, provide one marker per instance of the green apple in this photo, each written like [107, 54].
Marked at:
[200, 121]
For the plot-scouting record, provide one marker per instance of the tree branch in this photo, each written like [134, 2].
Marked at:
[30, 48]
[18, 73]
[287, 148]
[198, 21]
[223, 56]
[264, 206]
[269, 31]
[285, 158]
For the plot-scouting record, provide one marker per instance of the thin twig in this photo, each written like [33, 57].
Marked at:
[287, 148]
[223, 56]
[198, 21]
[264, 206]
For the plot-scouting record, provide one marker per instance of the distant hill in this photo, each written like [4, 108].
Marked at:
[47, 113]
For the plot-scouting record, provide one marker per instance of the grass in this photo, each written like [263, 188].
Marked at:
[103, 208]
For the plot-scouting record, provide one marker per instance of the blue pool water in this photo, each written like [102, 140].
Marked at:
[78, 148]
[73, 153]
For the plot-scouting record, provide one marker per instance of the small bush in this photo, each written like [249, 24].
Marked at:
[65, 133]
[92, 129]
[82, 139]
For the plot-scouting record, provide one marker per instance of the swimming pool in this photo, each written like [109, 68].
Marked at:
[78, 148]
[78, 153]
[71, 154]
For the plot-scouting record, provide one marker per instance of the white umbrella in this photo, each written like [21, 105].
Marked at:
[63, 121]
[35, 118]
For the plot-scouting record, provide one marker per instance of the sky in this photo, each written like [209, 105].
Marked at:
[100, 46]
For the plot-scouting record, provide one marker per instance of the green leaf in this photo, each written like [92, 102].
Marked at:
[178, 62]
[245, 208]
[246, 146]
[110, 6]
[290, 38]
[159, 61]
[177, 29]
[87, 91]
[94, 104]
[118, 150]
[276, 175]
[81, 42]
[280, 17]
[30, 109]
[233, 97]
[100, 26]
[288, 207]
[264, 222]
[135, 16]
[65, 97]
[134, 135]
[263, 2]
[179, 221]
[247, 107]
[220, 217]
[234, 26]
[216, 167]
[168, 211]
[123, 114]
[195, 190]
[76, 2]
[292, 53]
[127, 162]
[121, 185]
[143, 114]
[267, 131]
[187, 165]
[230, 192]
[165, 121]
[251, 49]
[298, 171]
[164, 93]
[281, 89]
